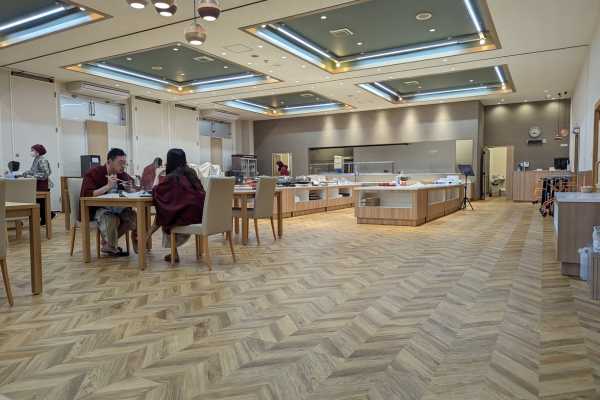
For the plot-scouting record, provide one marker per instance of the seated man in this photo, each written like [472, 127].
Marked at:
[113, 222]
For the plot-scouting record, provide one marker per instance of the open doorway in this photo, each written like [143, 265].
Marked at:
[500, 171]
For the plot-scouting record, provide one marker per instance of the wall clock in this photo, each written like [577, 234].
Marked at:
[535, 132]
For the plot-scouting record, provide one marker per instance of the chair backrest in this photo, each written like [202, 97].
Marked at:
[74, 185]
[263, 201]
[217, 215]
[20, 190]
[3, 238]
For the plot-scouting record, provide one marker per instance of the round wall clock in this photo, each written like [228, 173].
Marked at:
[535, 132]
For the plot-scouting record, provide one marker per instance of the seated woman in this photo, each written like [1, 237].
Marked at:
[178, 198]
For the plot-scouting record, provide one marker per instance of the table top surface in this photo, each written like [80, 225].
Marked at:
[577, 197]
[408, 188]
[19, 206]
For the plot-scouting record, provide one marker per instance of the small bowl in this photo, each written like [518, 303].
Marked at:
[587, 189]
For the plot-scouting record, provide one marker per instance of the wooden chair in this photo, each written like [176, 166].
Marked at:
[263, 204]
[216, 219]
[3, 243]
[22, 190]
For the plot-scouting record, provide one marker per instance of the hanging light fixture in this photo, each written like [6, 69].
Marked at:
[163, 4]
[167, 12]
[209, 10]
[195, 34]
[137, 4]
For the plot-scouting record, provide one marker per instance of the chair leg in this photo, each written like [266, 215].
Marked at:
[237, 225]
[7, 287]
[231, 245]
[19, 230]
[98, 243]
[206, 252]
[256, 231]
[73, 233]
[173, 247]
[198, 249]
[127, 242]
[273, 228]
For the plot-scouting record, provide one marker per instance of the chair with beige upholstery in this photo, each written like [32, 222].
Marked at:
[74, 187]
[216, 218]
[20, 191]
[263, 204]
[3, 243]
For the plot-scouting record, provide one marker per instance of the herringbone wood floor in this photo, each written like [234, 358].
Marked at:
[471, 306]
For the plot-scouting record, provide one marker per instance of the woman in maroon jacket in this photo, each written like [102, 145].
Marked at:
[178, 198]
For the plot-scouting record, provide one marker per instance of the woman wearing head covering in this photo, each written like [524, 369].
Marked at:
[40, 170]
[178, 197]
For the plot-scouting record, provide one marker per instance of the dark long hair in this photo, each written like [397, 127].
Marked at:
[177, 167]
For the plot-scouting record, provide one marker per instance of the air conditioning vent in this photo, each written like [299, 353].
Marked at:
[94, 90]
[341, 33]
[219, 115]
[203, 59]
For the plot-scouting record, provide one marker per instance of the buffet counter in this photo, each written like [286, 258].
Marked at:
[406, 205]
[300, 199]
[525, 182]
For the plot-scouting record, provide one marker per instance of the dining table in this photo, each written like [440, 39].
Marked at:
[31, 211]
[241, 196]
[142, 206]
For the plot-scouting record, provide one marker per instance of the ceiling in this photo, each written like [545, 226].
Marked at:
[303, 98]
[549, 36]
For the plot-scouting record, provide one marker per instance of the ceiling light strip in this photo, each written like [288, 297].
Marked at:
[473, 15]
[249, 103]
[32, 18]
[401, 51]
[218, 80]
[278, 40]
[137, 75]
[500, 76]
[378, 92]
[436, 92]
[312, 106]
[306, 43]
[386, 89]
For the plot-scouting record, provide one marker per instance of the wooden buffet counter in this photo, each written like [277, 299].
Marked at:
[406, 205]
[300, 200]
[525, 182]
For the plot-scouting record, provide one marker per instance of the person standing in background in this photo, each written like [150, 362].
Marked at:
[282, 169]
[40, 170]
[149, 174]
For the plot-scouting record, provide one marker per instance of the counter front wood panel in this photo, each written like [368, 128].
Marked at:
[525, 182]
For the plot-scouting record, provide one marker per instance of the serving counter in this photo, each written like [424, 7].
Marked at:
[406, 205]
[525, 183]
[300, 200]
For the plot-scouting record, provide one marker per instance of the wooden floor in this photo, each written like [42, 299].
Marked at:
[470, 306]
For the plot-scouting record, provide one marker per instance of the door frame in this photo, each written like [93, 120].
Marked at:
[595, 164]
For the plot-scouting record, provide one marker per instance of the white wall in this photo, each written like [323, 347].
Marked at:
[586, 95]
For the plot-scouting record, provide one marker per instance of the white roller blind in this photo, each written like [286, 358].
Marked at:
[72, 146]
[150, 136]
[34, 121]
[185, 133]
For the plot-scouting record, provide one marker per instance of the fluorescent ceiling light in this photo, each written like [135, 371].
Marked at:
[473, 16]
[499, 73]
[385, 88]
[400, 51]
[311, 106]
[217, 80]
[249, 103]
[305, 43]
[126, 72]
[450, 91]
[31, 18]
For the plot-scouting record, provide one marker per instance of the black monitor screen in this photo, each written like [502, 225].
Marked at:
[561, 163]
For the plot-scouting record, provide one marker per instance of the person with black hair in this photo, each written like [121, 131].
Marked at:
[13, 169]
[149, 173]
[178, 198]
[41, 171]
[113, 222]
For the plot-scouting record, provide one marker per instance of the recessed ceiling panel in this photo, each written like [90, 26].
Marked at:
[373, 33]
[174, 68]
[287, 103]
[474, 82]
[25, 20]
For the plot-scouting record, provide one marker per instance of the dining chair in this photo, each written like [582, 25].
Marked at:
[22, 190]
[216, 219]
[4, 243]
[263, 204]
[74, 185]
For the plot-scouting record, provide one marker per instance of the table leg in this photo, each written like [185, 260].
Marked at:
[85, 232]
[236, 203]
[35, 251]
[244, 215]
[66, 207]
[148, 213]
[48, 207]
[141, 235]
[279, 214]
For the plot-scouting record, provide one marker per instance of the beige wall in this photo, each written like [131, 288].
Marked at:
[509, 125]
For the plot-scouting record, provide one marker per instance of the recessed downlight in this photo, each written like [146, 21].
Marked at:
[128, 58]
[137, 4]
[424, 16]
[323, 17]
[359, 43]
[157, 68]
[432, 30]
[163, 4]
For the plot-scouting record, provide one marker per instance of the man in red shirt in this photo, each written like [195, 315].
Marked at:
[113, 222]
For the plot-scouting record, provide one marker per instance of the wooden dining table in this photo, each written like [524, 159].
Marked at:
[32, 212]
[142, 207]
[46, 197]
[241, 197]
